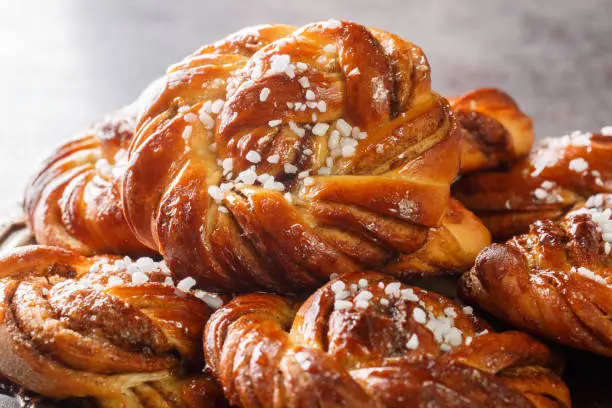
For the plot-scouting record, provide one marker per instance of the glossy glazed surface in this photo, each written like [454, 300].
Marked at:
[269, 351]
[558, 174]
[382, 203]
[74, 201]
[554, 281]
[72, 327]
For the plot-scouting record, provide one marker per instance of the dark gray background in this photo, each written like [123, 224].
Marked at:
[66, 63]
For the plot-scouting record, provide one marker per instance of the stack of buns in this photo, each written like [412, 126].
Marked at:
[246, 233]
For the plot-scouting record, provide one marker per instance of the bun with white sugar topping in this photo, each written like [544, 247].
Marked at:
[278, 156]
[555, 281]
[367, 340]
[107, 328]
[560, 173]
[74, 201]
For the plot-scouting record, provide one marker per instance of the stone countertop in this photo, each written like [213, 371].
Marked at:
[66, 63]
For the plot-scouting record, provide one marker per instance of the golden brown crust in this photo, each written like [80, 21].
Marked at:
[494, 129]
[72, 326]
[267, 351]
[559, 174]
[74, 201]
[555, 281]
[380, 201]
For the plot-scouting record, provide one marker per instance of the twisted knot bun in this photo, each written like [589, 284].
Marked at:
[559, 174]
[366, 340]
[74, 201]
[494, 130]
[555, 281]
[278, 156]
[106, 328]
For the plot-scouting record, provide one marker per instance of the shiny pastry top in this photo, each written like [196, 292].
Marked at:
[109, 328]
[74, 201]
[560, 173]
[555, 281]
[494, 130]
[279, 155]
[367, 340]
